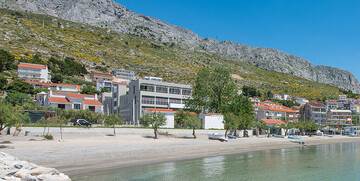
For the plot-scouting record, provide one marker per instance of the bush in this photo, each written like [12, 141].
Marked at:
[49, 137]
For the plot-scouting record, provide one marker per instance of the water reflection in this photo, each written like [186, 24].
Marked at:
[213, 167]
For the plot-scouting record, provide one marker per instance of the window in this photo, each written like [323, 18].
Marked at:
[76, 106]
[61, 106]
[174, 90]
[92, 108]
[175, 101]
[148, 88]
[161, 101]
[60, 88]
[186, 92]
[148, 100]
[161, 89]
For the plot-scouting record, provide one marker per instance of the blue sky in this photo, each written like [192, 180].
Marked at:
[325, 32]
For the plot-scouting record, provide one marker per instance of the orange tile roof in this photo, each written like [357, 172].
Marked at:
[59, 100]
[160, 110]
[121, 83]
[92, 102]
[282, 110]
[331, 102]
[273, 121]
[38, 66]
[298, 107]
[95, 72]
[211, 114]
[268, 102]
[74, 95]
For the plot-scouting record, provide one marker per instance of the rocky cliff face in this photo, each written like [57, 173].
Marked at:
[111, 15]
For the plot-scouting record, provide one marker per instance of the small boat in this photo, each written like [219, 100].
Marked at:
[231, 136]
[294, 137]
[216, 136]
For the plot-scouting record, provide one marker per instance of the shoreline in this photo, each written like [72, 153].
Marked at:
[85, 151]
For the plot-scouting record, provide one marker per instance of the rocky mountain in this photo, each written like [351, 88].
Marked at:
[113, 16]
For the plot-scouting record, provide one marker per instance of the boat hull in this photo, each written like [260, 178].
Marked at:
[217, 137]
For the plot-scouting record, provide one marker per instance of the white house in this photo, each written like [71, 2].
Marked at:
[70, 101]
[301, 101]
[212, 121]
[275, 96]
[169, 114]
[33, 72]
[59, 87]
[285, 96]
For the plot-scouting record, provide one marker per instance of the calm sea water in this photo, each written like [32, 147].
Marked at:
[322, 162]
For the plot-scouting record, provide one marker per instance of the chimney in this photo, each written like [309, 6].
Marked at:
[95, 97]
[51, 93]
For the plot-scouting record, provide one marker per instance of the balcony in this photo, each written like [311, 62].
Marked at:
[29, 71]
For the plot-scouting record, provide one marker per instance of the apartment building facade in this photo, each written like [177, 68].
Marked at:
[339, 117]
[277, 112]
[123, 75]
[152, 93]
[315, 112]
[101, 76]
[33, 72]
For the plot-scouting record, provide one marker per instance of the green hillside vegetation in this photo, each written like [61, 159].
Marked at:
[25, 35]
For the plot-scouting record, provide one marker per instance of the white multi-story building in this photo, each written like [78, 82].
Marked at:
[151, 92]
[123, 75]
[104, 84]
[342, 97]
[33, 72]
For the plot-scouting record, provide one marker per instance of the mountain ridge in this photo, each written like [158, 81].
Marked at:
[114, 16]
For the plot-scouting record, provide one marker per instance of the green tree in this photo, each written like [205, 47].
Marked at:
[212, 90]
[201, 91]
[112, 120]
[288, 103]
[193, 122]
[242, 107]
[71, 67]
[57, 78]
[6, 61]
[251, 91]
[17, 98]
[72, 115]
[89, 90]
[180, 117]
[19, 86]
[355, 120]
[154, 119]
[10, 116]
[231, 122]
[3, 82]
[261, 125]
[38, 90]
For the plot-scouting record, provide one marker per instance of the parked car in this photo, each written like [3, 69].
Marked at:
[82, 122]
